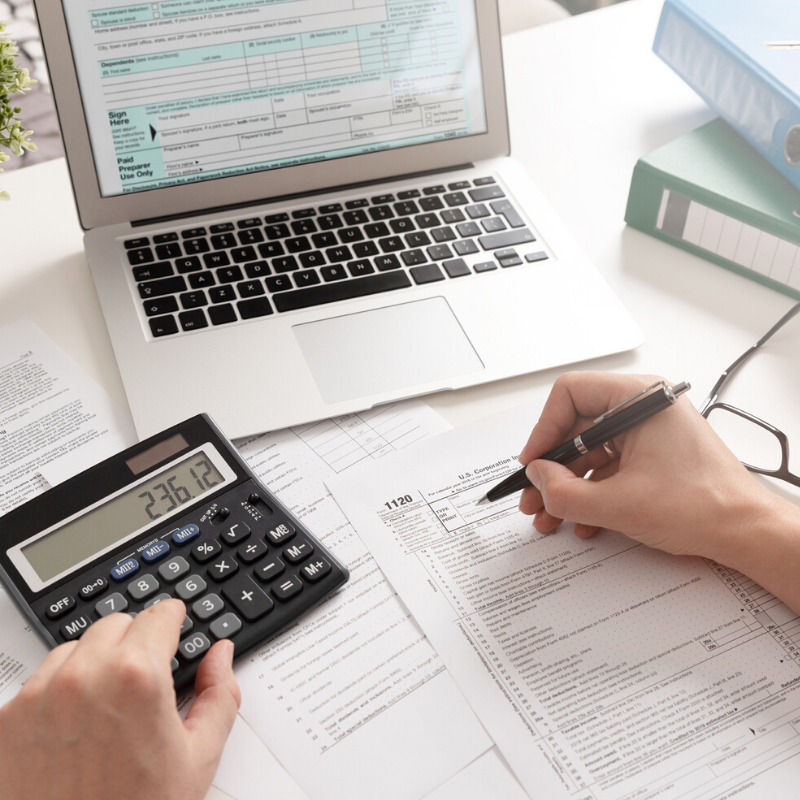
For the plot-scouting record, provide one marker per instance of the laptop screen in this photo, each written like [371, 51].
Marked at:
[181, 91]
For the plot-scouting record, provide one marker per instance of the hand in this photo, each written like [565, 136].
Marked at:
[98, 718]
[675, 485]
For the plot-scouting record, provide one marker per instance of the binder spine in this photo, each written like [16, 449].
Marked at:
[761, 109]
[714, 228]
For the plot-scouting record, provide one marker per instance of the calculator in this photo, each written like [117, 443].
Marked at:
[178, 515]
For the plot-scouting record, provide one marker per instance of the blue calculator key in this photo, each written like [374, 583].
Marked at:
[75, 627]
[124, 570]
[155, 552]
[185, 535]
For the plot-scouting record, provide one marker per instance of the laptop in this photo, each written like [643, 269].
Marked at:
[298, 209]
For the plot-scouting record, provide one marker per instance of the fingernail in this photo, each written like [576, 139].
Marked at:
[533, 475]
[229, 648]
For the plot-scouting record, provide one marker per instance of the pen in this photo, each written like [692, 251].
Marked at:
[628, 414]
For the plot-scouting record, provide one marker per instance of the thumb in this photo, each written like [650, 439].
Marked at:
[213, 713]
[565, 495]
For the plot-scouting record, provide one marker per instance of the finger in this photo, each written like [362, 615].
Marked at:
[52, 661]
[575, 395]
[213, 713]
[530, 501]
[157, 629]
[106, 632]
[585, 531]
[546, 523]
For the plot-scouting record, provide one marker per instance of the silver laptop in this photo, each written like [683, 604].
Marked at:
[303, 208]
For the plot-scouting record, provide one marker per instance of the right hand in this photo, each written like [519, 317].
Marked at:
[675, 485]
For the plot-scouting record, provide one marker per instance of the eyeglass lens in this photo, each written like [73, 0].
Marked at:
[751, 443]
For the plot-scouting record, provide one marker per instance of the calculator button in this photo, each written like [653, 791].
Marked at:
[226, 626]
[155, 552]
[194, 647]
[298, 552]
[237, 532]
[174, 664]
[315, 570]
[111, 604]
[157, 599]
[247, 598]
[97, 586]
[273, 568]
[223, 568]
[205, 551]
[281, 533]
[185, 535]
[288, 587]
[125, 570]
[75, 627]
[186, 627]
[251, 552]
[207, 607]
[60, 607]
[173, 569]
[190, 588]
[143, 588]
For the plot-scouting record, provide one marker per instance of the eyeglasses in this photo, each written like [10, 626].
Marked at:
[761, 447]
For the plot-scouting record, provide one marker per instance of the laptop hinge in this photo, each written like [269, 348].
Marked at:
[290, 197]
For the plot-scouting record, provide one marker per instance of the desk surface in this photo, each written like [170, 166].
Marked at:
[587, 97]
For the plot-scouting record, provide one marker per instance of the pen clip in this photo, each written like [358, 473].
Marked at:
[672, 393]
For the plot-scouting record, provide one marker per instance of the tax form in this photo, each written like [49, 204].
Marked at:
[602, 669]
[353, 700]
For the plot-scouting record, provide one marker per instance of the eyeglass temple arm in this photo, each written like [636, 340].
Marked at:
[714, 393]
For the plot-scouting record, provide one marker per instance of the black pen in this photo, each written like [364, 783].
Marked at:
[628, 414]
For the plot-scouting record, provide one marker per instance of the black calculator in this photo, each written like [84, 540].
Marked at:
[178, 515]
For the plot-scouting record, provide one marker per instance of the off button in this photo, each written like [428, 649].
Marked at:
[60, 607]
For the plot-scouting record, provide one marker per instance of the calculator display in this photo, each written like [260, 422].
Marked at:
[116, 519]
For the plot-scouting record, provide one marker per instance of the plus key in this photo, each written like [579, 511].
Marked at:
[247, 598]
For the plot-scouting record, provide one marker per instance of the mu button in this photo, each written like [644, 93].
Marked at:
[244, 594]
[75, 627]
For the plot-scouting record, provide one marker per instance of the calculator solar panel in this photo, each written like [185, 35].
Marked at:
[178, 515]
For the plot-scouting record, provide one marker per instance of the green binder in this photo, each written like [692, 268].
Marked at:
[712, 194]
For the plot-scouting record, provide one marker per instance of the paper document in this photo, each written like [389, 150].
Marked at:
[353, 700]
[603, 669]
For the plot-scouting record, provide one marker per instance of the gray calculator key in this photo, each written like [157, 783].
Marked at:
[75, 627]
[174, 664]
[207, 607]
[108, 605]
[157, 599]
[144, 587]
[287, 588]
[194, 647]
[173, 569]
[281, 533]
[191, 587]
[226, 626]
[187, 626]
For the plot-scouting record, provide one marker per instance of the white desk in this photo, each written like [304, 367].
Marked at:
[587, 97]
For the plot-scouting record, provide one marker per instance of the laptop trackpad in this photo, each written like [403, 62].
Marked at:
[359, 355]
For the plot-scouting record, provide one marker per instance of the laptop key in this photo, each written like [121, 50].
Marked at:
[465, 247]
[456, 199]
[451, 216]
[194, 246]
[391, 244]
[360, 268]
[458, 185]
[331, 208]
[376, 229]
[160, 305]
[161, 287]
[511, 214]
[160, 238]
[467, 229]
[413, 257]
[169, 250]
[306, 277]
[229, 274]
[486, 193]
[271, 249]
[341, 290]
[222, 227]
[213, 260]
[274, 219]
[254, 307]
[303, 213]
[312, 259]
[297, 244]
[284, 264]
[478, 212]
[350, 235]
[193, 299]
[338, 254]
[426, 220]
[402, 225]
[193, 233]
[485, 266]
[199, 280]
[251, 236]
[280, 283]
[250, 288]
[335, 273]
[382, 199]
[150, 271]
[222, 315]
[506, 239]
[439, 252]
[443, 234]
[533, 257]
[250, 222]
[360, 203]
[419, 239]
[385, 263]
[381, 212]
[301, 227]
[429, 273]
[142, 256]
[483, 182]
[409, 194]
[456, 268]
[326, 239]
[355, 217]
[193, 320]
[163, 326]
[329, 222]
[431, 204]
[133, 244]
[279, 231]
[438, 189]
[188, 264]
[365, 249]
[241, 254]
[222, 294]
[406, 209]
[494, 224]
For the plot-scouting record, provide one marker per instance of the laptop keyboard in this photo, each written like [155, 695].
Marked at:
[219, 274]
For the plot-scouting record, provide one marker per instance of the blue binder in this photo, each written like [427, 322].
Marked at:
[743, 58]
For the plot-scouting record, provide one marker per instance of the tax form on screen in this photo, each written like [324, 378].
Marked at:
[180, 91]
[601, 668]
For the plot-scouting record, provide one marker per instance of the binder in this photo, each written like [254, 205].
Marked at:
[712, 194]
[743, 58]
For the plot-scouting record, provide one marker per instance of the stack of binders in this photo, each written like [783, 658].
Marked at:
[730, 190]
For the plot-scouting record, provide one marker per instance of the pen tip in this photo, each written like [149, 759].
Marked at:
[483, 501]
